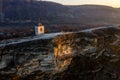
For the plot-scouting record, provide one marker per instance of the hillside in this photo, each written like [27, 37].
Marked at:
[96, 14]
[50, 12]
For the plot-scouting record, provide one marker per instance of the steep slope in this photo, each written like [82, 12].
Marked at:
[50, 12]
[92, 54]
[46, 11]
[88, 55]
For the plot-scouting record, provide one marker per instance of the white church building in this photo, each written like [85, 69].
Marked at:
[39, 30]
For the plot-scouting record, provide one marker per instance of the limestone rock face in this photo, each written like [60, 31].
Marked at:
[91, 55]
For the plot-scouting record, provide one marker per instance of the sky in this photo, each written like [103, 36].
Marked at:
[113, 3]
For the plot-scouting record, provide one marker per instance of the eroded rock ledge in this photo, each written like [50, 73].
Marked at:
[91, 55]
[86, 55]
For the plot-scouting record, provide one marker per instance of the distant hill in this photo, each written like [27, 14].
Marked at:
[50, 12]
[96, 14]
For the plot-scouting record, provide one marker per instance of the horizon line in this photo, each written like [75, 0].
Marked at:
[79, 4]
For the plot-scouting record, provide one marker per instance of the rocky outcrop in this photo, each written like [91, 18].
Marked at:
[92, 54]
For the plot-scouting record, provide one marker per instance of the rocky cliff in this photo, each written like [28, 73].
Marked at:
[88, 55]
[92, 54]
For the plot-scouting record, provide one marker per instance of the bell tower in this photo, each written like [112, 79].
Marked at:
[39, 29]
